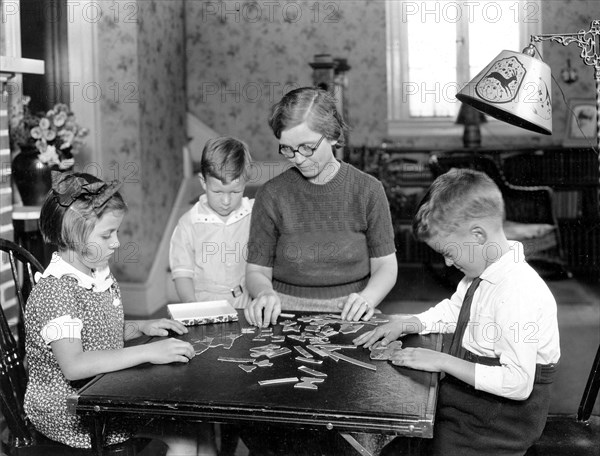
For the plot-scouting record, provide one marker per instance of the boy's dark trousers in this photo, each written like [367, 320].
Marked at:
[470, 422]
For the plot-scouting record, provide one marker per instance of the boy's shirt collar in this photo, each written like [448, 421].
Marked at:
[496, 271]
[203, 213]
[58, 268]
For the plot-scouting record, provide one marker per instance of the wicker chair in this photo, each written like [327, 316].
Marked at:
[530, 216]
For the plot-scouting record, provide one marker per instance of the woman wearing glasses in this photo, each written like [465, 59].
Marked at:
[321, 236]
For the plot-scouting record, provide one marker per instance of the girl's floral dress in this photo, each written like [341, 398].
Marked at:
[68, 303]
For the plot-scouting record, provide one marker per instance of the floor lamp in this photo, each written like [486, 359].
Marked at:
[516, 87]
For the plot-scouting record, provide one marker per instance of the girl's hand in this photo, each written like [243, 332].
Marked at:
[264, 309]
[356, 307]
[418, 358]
[161, 327]
[170, 351]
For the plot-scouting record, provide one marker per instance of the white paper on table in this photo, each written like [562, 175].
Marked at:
[202, 313]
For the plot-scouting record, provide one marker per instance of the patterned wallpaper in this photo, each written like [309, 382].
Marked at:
[162, 113]
[143, 122]
[235, 59]
[568, 16]
[242, 61]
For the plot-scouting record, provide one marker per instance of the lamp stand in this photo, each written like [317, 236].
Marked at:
[589, 42]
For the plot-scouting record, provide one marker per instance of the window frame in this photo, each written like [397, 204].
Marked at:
[399, 122]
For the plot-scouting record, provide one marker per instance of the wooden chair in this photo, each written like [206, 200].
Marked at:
[22, 439]
[23, 266]
[530, 216]
[574, 435]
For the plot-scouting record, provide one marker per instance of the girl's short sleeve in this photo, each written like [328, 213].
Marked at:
[55, 306]
[63, 327]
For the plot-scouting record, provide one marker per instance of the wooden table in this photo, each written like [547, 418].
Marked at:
[390, 401]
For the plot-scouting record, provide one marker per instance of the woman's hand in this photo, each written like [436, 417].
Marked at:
[161, 327]
[170, 351]
[356, 307]
[264, 309]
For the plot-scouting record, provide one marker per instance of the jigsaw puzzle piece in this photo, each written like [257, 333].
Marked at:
[383, 353]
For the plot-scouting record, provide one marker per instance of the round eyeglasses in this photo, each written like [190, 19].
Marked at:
[303, 149]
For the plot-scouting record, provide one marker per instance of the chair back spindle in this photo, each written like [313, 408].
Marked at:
[13, 374]
[529, 210]
[590, 392]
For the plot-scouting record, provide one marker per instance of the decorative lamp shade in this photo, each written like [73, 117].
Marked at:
[514, 88]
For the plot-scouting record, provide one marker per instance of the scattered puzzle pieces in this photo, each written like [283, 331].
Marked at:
[314, 332]
[302, 351]
[383, 353]
[281, 351]
[350, 360]
[200, 348]
[312, 372]
[309, 383]
[291, 329]
[346, 328]
[278, 381]
[235, 360]
[308, 360]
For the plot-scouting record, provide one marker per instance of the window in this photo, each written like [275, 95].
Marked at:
[435, 47]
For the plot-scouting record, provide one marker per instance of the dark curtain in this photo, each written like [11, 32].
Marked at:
[44, 37]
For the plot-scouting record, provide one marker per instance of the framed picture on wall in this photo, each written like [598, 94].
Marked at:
[581, 124]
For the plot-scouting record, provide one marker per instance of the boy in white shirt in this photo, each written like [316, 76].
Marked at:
[209, 245]
[495, 395]
[208, 248]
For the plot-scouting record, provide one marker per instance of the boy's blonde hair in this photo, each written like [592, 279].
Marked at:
[225, 158]
[456, 197]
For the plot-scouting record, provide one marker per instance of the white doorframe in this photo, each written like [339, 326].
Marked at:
[83, 76]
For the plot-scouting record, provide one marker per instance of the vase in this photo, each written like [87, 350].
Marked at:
[31, 176]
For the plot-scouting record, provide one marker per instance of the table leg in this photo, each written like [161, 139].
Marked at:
[367, 444]
[97, 435]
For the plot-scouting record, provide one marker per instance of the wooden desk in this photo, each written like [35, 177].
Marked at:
[391, 400]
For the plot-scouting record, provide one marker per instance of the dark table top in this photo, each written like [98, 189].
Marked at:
[390, 400]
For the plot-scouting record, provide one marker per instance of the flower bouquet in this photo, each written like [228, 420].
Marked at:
[46, 141]
[55, 136]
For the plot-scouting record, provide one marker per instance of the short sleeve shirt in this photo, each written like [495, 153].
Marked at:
[211, 251]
